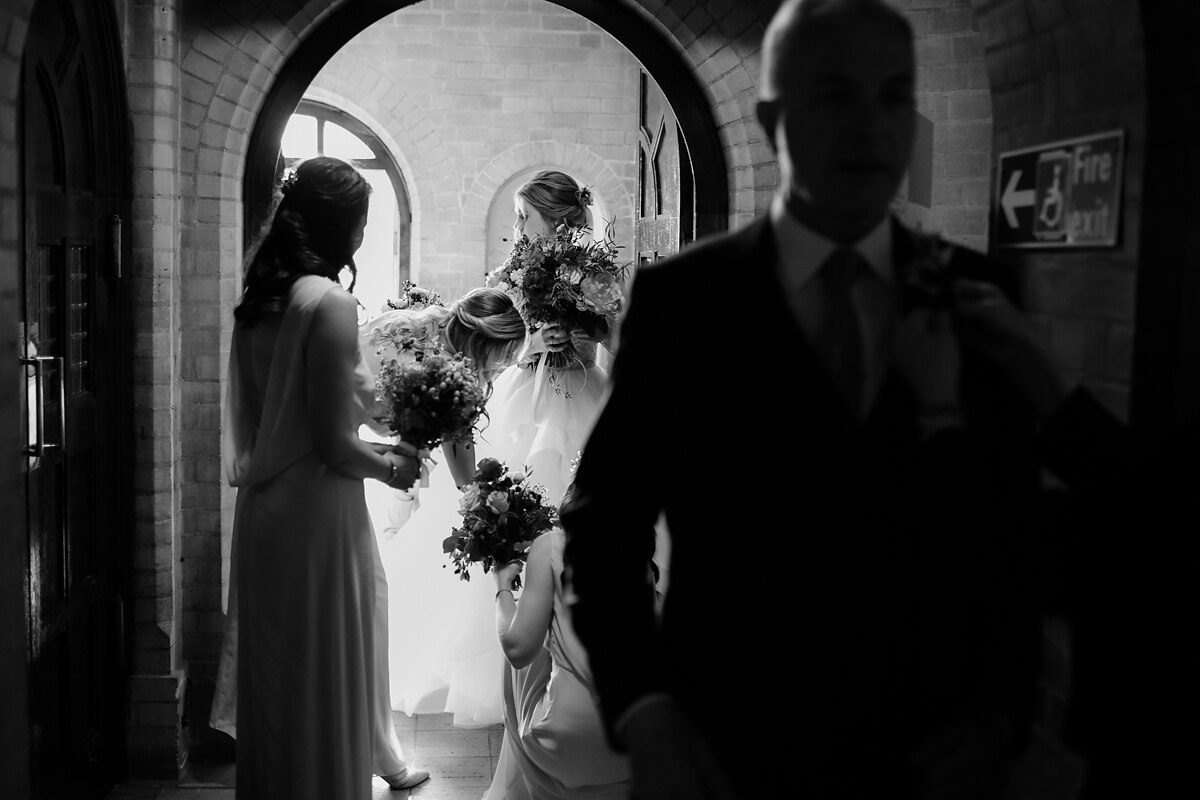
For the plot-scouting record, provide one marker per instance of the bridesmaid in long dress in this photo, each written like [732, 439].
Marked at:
[307, 561]
[554, 744]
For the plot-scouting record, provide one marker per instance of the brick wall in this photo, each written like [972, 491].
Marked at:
[1059, 69]
[721, 41]
[953, 92]
[157, 682]
[223, 73]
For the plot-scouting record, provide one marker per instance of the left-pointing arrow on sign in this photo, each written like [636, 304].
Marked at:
[1014, 198]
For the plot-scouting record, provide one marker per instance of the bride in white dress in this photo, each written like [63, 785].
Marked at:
[444, 654]
[542, 412]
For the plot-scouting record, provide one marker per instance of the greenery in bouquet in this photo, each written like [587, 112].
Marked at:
[566, 278]
[414, 296]
[503, 512]
[430, 398]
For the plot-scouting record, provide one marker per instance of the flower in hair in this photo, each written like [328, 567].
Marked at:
[585, 196]
[288, 182]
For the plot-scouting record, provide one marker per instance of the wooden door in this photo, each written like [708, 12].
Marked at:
[666, 190]
[74, 187]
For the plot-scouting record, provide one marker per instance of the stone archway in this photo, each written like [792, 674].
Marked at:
[239, 74]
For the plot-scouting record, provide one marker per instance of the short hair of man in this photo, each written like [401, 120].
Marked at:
[794, 17]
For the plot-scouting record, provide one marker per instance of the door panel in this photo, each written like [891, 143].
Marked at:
[666, 193]
[74, 185]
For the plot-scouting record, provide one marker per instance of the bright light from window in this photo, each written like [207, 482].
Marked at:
[378, 266]
[377, 258]
[300, 137]
[341, 143]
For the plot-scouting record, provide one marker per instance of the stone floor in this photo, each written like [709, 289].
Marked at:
[460, 763]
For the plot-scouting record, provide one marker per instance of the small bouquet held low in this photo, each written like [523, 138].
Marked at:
[502, 514]
[566, 278]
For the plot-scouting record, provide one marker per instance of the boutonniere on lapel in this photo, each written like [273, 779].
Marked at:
[926, 278]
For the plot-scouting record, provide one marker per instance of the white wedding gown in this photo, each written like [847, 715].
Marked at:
[445, 655]
[541, 417]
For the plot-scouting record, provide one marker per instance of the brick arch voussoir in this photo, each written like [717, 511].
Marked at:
[230, 137]
[728, 74]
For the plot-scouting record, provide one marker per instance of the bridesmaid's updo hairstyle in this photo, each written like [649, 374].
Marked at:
[485, 326]
[558, 197]
[309, 232]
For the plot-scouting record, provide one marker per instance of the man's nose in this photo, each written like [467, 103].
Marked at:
[868, 116]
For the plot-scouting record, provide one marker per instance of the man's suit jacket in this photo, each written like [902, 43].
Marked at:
[849, 583]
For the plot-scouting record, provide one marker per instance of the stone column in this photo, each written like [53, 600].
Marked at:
[158, 682]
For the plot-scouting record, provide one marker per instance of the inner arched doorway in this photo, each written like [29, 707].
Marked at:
[676, 79]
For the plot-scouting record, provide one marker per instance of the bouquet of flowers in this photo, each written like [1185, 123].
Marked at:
[564, 278]
[413, 296]
[409, 327]
[428, 397]
[502, 514]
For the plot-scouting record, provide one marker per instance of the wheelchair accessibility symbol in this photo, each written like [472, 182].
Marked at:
[1050, 195]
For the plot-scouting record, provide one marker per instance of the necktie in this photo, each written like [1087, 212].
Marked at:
[839, 340]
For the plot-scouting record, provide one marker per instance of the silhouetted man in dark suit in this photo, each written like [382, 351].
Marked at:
[843, 569]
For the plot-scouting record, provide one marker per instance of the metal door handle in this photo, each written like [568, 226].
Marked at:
[40, 445]
[114, 243]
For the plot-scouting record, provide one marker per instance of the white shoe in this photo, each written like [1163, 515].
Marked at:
[406, 779]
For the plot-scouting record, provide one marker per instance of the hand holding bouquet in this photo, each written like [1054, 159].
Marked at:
[429, 398]
[502, 514]
[564, 279]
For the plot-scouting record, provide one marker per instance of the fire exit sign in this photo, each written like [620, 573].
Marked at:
[1060, 194]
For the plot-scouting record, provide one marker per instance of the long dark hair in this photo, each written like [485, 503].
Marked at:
[310, 232]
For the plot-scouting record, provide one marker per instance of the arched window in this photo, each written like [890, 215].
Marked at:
[383, 260]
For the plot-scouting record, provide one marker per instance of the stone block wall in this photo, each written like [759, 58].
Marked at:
[158, 671]
[954, 94]
[1060, 69]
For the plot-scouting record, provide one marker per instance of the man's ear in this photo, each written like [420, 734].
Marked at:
[767, 112]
